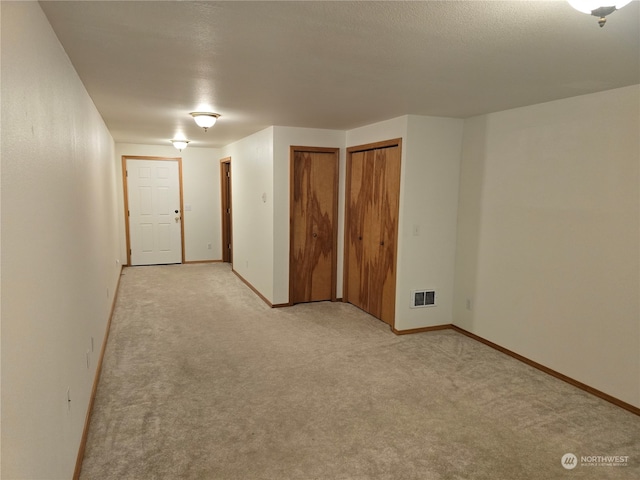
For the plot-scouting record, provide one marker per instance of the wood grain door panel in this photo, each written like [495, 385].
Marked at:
[389, 159]
[359, 208]
[313, 225]
[373, 186]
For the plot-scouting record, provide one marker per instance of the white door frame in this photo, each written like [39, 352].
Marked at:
[126, 198]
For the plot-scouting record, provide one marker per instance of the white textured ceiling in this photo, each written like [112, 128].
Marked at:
[335, 65]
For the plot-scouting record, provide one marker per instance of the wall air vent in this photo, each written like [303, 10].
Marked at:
[423, 298]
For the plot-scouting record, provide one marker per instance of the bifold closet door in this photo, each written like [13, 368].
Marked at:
[360, 218]
[382, 281]
[314, 206]
[372, 230]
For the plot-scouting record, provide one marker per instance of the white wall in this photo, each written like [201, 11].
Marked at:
[377, 132]
[549, 236]
[252, 190]
[59, 247]
[285, 137]
[201, 193]
[429, 201]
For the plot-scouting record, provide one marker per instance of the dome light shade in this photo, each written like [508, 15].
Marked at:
[205, 119]
[180, 144]
[598, 8]
[588, 6]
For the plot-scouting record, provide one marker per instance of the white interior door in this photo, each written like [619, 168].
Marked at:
[153, 195]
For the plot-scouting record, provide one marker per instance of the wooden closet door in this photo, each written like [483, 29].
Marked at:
[372, 230]
[359, 205]
[375, 241]
[313, 225]
[382, 286]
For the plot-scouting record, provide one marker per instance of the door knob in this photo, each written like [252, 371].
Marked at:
[315, 235]
[381, 243]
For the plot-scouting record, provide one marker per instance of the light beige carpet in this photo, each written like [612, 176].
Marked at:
[201, 380]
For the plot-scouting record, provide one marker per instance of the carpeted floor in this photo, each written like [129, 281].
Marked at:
[201, 380]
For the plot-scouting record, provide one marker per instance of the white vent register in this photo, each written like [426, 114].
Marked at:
[423, 298]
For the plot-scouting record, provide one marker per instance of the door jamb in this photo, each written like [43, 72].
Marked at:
[224, 194]
[126, 199]
[334, 255]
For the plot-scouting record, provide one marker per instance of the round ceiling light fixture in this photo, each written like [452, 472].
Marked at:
[598, 8]
[180, 144]
[205, 119]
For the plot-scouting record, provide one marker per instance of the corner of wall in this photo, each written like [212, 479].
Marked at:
[427, 226]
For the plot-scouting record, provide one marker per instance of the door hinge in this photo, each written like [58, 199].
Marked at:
[128, 213]
[229, 174]
[126, 173]
[129, 251]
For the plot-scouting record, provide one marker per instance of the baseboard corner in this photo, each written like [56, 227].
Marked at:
[422, 329]
[255, 290]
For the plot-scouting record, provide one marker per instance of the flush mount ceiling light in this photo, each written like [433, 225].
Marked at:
[205, 119]
[598, 8]
[180, 144]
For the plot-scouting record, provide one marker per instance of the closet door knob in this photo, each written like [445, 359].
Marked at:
[382, 243]
[315, 235]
